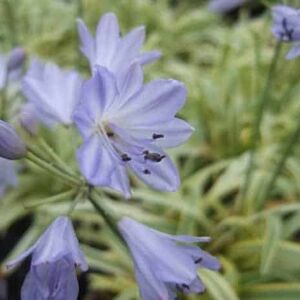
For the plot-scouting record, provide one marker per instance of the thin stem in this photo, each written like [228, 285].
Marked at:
[77, 199]
[52, 169]
[262, 104]
[53, 155]
[287, 151]
[3, 100]
[108, 218]
[56, 198]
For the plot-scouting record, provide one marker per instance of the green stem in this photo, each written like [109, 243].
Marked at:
[262, 104]
[287, 151]
[56, 198]
[53, 155]
[77, 199]
[3, 99]
[52, 169]
[108, 218]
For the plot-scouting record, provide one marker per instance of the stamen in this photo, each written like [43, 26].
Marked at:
[155, 157]
[198, 260]
[157, 136]
[147, 172]
[125, 157]
[288, 33]
[185, 286]
[110, 134]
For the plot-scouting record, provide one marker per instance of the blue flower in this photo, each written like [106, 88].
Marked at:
[52, 273]
[8, 175]
[224, 6]
[286, 27]
[165, 264]
[11, 145]
[53, 92]
[111, 51]
[127, 127]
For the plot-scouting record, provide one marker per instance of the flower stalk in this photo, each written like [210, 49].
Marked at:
[108, 218]
[255, 137]
[287, 151]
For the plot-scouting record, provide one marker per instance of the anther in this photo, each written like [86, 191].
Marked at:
[185, 286]
[157, 136]
[198, 260]
[147, 172]
[155, 157]
[110, 134]
[125, 157]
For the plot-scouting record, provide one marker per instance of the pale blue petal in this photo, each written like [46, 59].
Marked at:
[107, 40]
[158, 101]
[87, 40]
[294, 52]
[128, 49]
[167, 134]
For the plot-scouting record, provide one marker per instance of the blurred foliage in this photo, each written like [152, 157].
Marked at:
[224, 64]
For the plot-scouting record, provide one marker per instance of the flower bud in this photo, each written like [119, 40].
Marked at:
[28, 119]
[11, 145]
[16, 59]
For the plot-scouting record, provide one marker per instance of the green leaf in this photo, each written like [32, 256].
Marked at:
[271, 243]
[217, 286]
[272, 291]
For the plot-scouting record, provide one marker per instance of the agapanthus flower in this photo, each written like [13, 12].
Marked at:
[55, 256]
[11, 145]
[224, 6]
[8, 175]
[108, 49]
[53, 92]
[127, 127]
[286, 27]
[165, 264]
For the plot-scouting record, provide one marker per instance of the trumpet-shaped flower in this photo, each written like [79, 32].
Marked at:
[286, 27]
[8, 175]
[108, 49]
[53, 92]
[11, 145]
[55, 255]
[127, 127]
[165, 264]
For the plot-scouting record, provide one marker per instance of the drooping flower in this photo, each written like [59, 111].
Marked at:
[11, 145]
[165, 264]
[286, 27]
[8, 175]
[55, 256]
[108, 49]
[128, 127]
[52, 91]
[224, 6]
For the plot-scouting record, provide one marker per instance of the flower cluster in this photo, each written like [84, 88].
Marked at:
[125, 125]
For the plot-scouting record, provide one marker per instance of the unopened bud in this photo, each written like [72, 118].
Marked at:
[28, 119]
[16, 59]
[11, 145]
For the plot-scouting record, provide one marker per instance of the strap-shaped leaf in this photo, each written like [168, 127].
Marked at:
[217, 286]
